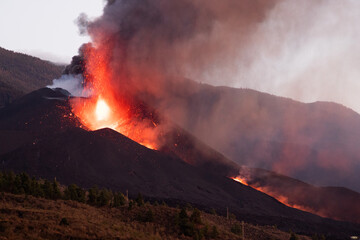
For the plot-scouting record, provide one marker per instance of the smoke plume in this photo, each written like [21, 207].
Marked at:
[150, 41]
[305, 50]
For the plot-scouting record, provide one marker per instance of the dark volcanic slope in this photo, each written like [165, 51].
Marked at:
[317, 142]
[333, 202]
[57, 146]
[21, 74]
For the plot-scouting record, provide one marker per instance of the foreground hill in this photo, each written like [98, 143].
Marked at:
[27, 217]
[43, 138]
[21, 74]
[316, 142]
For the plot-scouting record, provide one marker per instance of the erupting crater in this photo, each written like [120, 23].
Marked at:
[107, 109]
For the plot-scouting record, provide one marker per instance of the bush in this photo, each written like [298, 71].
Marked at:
[3, 227]
[139, 200]
[214, 232]
[186, 227]
[196, 216]
[93, 195]
[75, 193]
[104, 197]
[148, 216]
[236, 228]
[64, 222]
[293, 236]
[119, 200]
[131, 204]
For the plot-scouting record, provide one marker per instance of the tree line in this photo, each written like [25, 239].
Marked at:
[22, 183]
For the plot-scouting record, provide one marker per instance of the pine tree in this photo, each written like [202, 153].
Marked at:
[48, 189]
[119, 200]
[56, 190]
[104, 197]
[140, 200]
[93, 195]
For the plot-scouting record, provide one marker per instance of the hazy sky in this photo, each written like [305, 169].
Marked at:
[45, 28]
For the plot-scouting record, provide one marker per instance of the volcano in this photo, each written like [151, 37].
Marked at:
[41, 135]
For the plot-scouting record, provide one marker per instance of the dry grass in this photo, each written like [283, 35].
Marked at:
[27, 217]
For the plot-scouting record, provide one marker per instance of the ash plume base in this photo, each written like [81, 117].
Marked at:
[73, 84]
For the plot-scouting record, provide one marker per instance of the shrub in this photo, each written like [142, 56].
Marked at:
[147, 216]
[104, 197]
[236, 228]
[293, 236]
[196, 216]
[214, 232]
[64, 222]
[93, 195]
[139, 200]
[131, 204]
[119, 200]
[3, 227]
[186, 227]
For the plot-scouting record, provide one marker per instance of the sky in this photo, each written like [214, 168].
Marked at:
[45, 28]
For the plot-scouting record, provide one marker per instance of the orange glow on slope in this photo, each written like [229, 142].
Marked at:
[105, 108]
[284, 200]
[240, 180]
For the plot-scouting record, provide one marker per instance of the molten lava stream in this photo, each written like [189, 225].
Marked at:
[284, 200]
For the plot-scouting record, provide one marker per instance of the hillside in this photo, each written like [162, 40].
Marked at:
[48, 141]
[120, 217]
[27, 217]
[315, 142]
[21, 74]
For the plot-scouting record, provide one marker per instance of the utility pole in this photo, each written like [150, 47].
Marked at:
[227, 213]
[127, 195]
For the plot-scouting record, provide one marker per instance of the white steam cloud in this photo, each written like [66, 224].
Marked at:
[71, 83]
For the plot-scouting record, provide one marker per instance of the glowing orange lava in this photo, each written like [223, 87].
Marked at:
[240, 180]
[284, 200]
[105, 108]
[102, 110]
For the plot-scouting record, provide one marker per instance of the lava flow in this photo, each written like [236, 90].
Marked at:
[104, 108]
[284, 200]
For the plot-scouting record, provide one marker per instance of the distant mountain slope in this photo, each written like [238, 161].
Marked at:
[316, 142]
[20, 74]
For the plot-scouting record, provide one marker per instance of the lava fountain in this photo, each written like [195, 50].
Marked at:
[107, 109]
